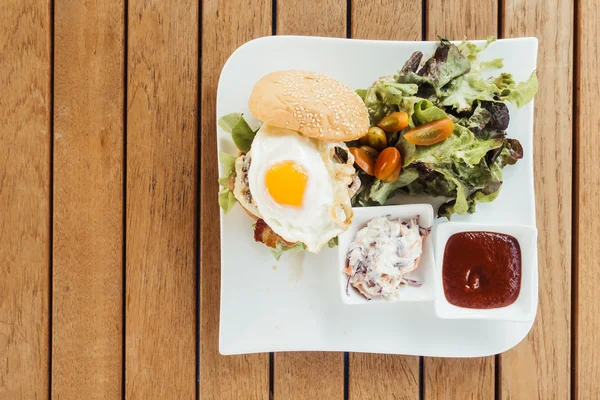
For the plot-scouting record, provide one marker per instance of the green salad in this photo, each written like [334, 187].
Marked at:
[448, 123]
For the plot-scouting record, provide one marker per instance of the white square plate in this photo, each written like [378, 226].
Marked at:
[294, 304]
[425, 272]
[524, 307]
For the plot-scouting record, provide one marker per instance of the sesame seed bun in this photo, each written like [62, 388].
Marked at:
[313, 104]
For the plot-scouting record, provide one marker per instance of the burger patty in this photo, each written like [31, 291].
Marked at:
[241, 186]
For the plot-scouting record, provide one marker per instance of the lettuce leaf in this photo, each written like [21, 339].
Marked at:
[524, 92]
[511, 152]
[299, 246]
[380, 191]
[228, 164]
[489, 120]
[446, 64]
[386, 96]
[471, 51]
[464, 91]
[241, 133]
[333, 242]
[481, 186]
[282, 248]
[226, 197]
[425, 111]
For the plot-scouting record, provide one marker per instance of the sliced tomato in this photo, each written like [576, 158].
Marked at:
[374, 138]
[394, 122]
[430, 133]
[363, 159]
[388, 165]
[370, 151]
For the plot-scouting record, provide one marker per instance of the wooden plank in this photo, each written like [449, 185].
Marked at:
[24, 198]
[224, 29]
[88, 200]
[311, 17]
[302, 375]
[453, 378]
[539, 367]
[382, 22]
[460, 378]
[587, 192]
[310, 375]
[398, 375]
[162, 108]
[455, 19]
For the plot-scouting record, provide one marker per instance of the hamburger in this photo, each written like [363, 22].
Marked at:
[294, 176]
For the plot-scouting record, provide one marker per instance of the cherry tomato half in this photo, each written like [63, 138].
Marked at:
[374, 138]
[394, 122]
[370, 151]
[363, 159]
[430, 133]
[388, 165]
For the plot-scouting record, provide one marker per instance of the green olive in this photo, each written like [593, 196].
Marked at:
[370, 151]
[375, 138]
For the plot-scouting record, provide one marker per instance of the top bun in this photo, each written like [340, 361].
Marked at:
[313, 104]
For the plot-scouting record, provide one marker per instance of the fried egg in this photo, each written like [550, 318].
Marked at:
[299, 187]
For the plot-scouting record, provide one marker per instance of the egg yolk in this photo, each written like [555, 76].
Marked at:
[286, 182]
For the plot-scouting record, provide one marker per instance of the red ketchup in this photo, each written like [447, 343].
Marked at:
[481, 270]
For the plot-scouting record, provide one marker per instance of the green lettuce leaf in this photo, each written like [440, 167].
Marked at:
[471, 51]
[386, 96]
[362, 93]
[425, 111]
[431, 183]
[407, 150]
[228, 163]
[226, 199]
[478, 121]
[482, 187]
[333, 242]
[495, 63]
[380, 191]
[504, 81]
[241, 133]
[463, 92]
[282, 248]
[524, 92]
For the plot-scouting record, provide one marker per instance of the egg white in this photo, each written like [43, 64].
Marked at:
[325, 209]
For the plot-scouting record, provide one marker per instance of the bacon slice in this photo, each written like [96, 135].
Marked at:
[263, 233]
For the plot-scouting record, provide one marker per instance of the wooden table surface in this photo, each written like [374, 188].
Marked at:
[109, 218]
